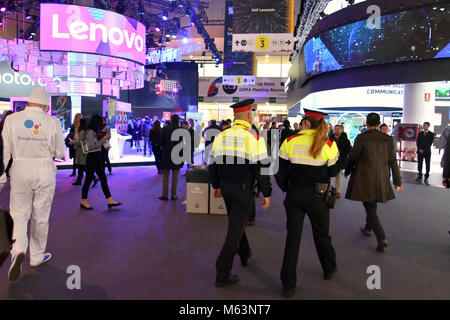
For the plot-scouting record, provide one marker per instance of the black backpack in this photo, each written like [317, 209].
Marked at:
[6, 232]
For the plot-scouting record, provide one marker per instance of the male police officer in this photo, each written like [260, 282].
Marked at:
[237, 157]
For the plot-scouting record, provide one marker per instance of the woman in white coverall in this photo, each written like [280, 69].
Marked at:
[33, 139]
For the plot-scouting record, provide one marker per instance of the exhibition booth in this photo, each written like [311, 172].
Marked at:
[92, 61]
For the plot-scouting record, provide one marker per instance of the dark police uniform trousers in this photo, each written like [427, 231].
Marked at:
[238, 200]
[299, 202]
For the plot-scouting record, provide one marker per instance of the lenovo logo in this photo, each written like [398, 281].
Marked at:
[80, 30]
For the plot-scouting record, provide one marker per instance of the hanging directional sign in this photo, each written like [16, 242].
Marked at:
[239, 80]
[270, 42]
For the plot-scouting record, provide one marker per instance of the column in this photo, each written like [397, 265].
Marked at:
[419, 103]
[76, 106]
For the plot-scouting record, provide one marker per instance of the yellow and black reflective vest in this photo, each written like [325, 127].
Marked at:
[299, 167]
[238, 154]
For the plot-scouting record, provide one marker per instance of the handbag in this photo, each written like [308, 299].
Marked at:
[6, 232]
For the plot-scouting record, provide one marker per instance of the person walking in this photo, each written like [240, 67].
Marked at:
[80, 157]
[33, 139]
[369, 164]
[424, 142]
[191, 143]
[70, 137]
[155, 139]
[308, 160]
[130, 131]
[145, 132]
[94, 162]
[137, 136]
[167, 163]
[344, 147]
[106, 131]
[233, 170]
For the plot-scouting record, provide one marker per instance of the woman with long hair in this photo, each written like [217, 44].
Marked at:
[94, 162]
[308, 160]
[155, 139]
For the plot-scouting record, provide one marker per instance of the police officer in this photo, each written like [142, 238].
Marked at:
[307, 160]
[237, 158]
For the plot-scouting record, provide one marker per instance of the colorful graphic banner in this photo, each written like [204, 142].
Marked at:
[91, 30]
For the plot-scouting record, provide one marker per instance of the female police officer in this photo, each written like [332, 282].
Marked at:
[307, 160]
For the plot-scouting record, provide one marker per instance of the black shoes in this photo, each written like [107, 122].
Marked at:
[419, 179]
[381, 245]
[330, 275]
[163, 198]
[426, 181]
[77, 183]
[289, 293]
[111, 205]
[82, 206]
[72, 175]
[174, 198]
[232, 279]
[244, 261]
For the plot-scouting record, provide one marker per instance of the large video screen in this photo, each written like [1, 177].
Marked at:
[177, 91]
[416, 34]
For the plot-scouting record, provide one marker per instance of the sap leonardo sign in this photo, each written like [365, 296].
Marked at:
[91, 30]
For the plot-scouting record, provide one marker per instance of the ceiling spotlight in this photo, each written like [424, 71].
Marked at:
[157, 29]
[27, 12]
[165, 16]
[185, 40]
[174, 36]
[2, 9]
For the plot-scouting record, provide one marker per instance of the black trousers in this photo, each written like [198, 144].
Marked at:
[105, 157]
[74, 167]
[81, 169]
[372, 221]
[299, 203]
[158, 154]
[95, 164]
[238, 202]
[421, 157]
[252, 216]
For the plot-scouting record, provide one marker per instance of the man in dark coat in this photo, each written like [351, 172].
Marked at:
[370, 162]
[287, 131]
[344, 147]
[145, 132]
[167, 163]
[424, 142]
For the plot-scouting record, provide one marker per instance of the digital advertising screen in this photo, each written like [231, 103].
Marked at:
[91, 30]
[416, 34]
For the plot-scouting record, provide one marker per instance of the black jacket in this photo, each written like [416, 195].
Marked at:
[344, 147]
[446, 172]
[205, 134]
[167, 146]
[145, 129]
[155, 137]
[425, 141]
[286, 133]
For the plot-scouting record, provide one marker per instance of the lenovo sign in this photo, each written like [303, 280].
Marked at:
[91, 30]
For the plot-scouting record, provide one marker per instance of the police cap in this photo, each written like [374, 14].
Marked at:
[314, 114]
[242, 106]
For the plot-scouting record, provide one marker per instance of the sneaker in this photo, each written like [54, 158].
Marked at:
[419, 179]
[381, 245]
[16, 267]
[232, 279]
[426, 181]
[47, 258]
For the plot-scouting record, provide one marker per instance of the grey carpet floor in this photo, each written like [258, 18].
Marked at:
[150, 249]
